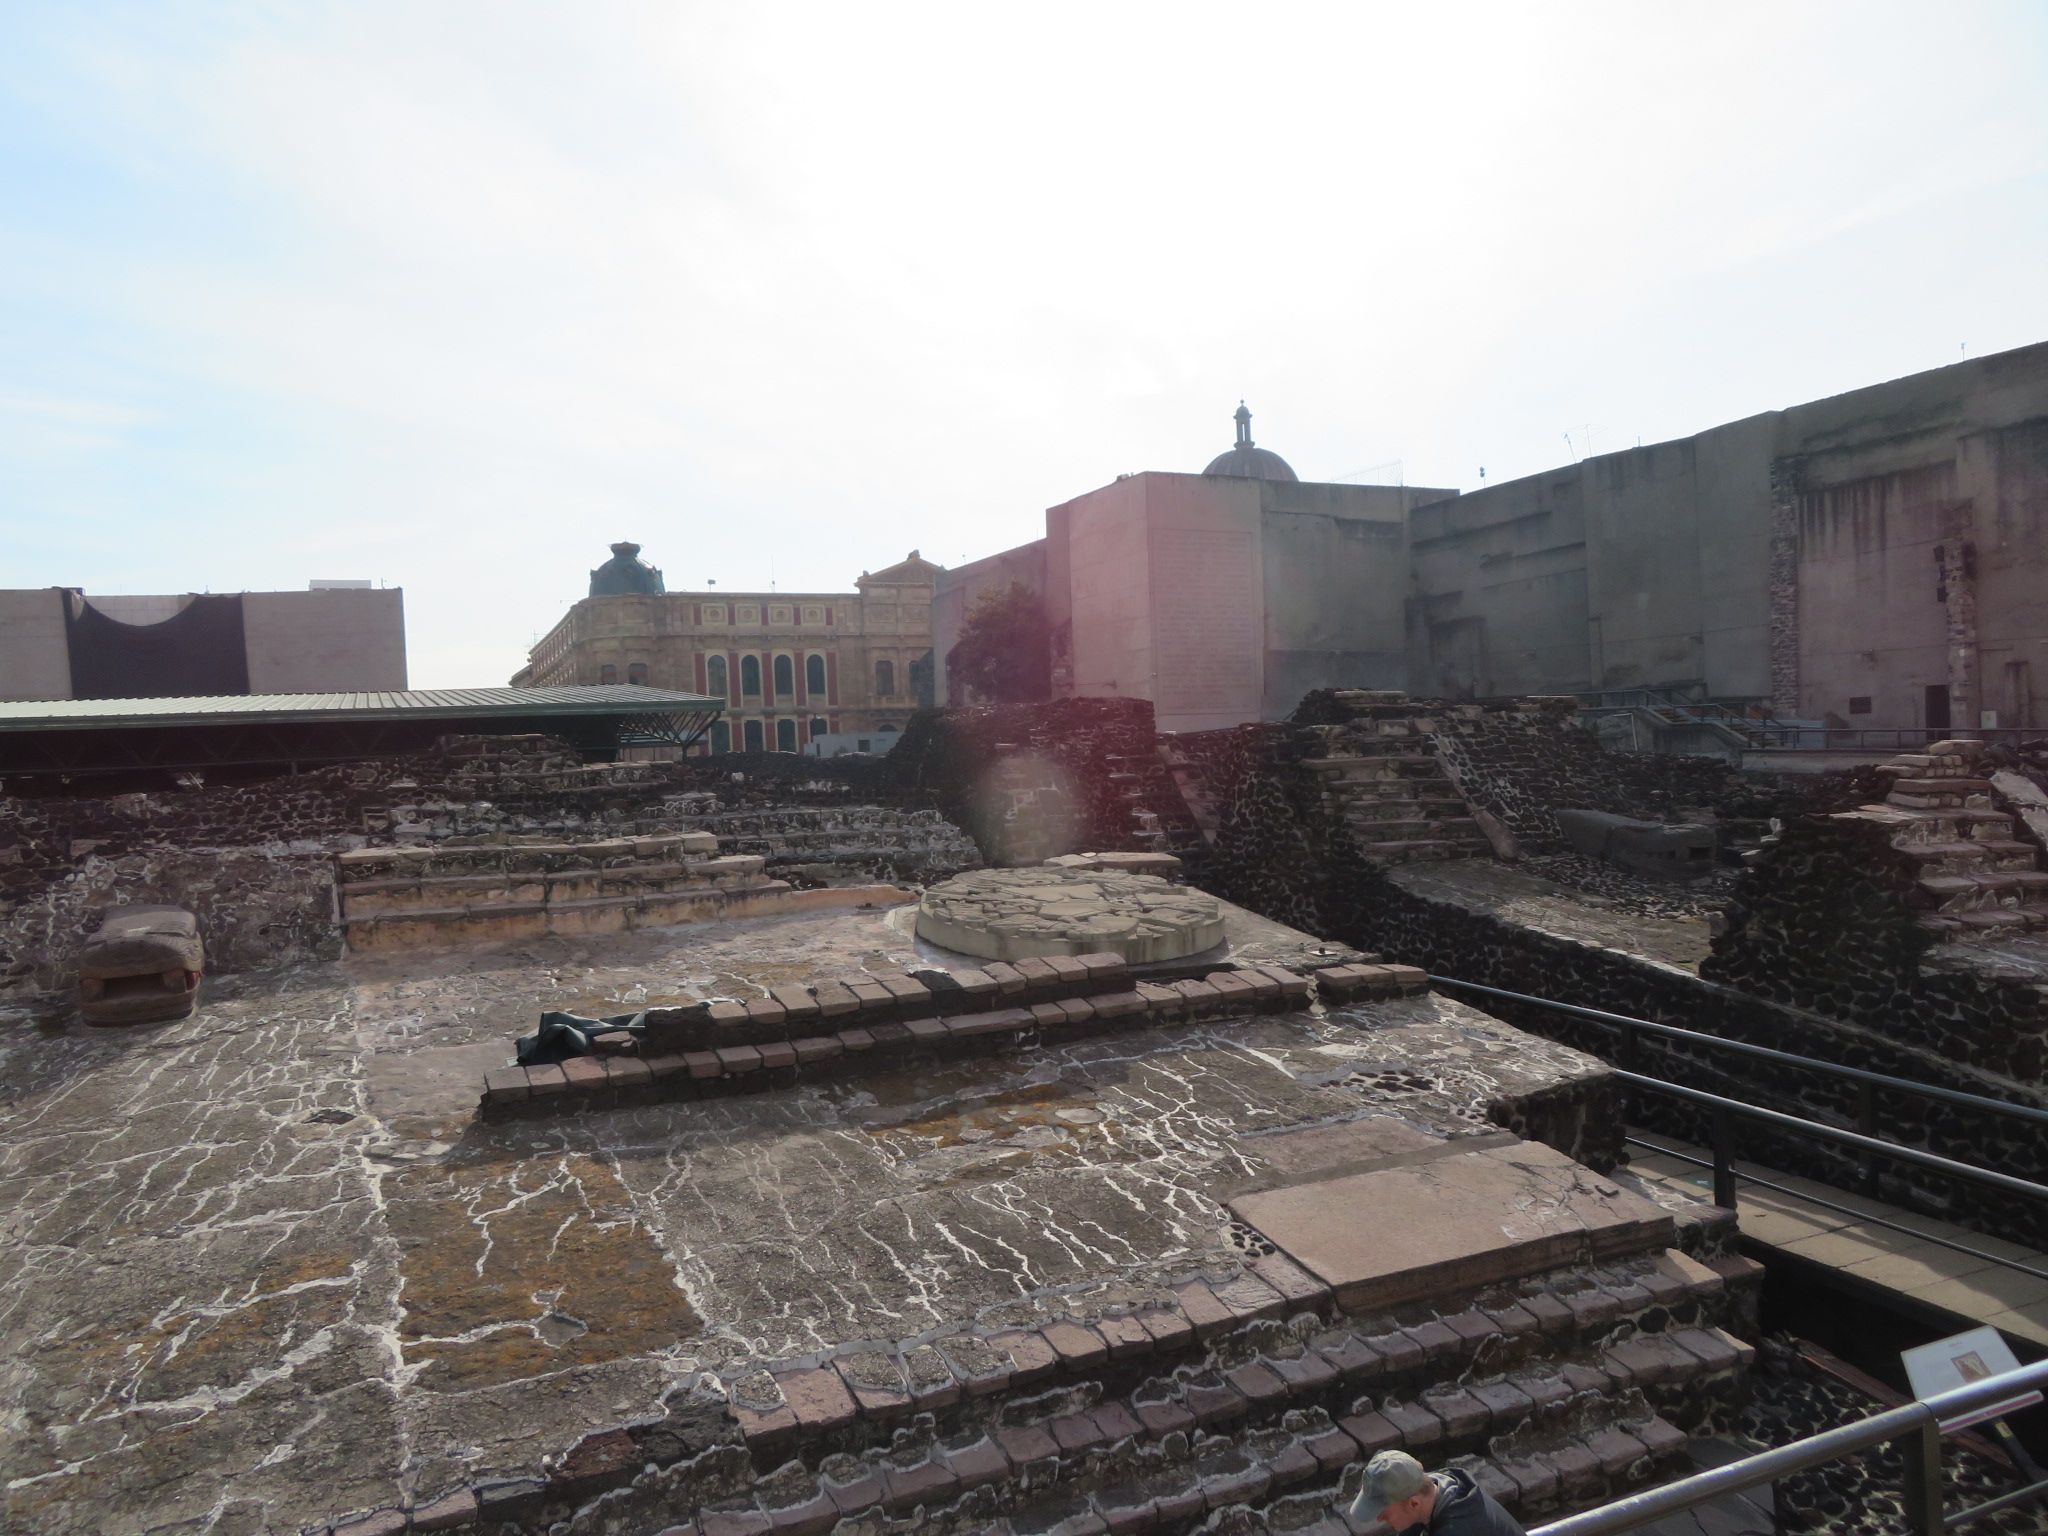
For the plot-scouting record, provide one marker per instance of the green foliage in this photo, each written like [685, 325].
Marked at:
[1005, 650]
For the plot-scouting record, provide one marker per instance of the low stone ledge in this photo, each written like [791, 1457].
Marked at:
[706, 1048]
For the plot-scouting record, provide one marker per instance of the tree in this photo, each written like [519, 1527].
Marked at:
[1005, 649]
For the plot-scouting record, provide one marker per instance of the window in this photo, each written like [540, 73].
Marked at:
[1860, 706]
[714, 675]
[819, 727]
[753, 735]
[636, 672]
[886, 730]
[607, 674]
[866, 745]
[785, 678]
[785, 735]
[750, 677]
[885, 679]
[814, 676]
[721, 736]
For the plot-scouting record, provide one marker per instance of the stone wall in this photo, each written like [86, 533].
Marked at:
[254, 860]
[1826, 919]
[1449, 940]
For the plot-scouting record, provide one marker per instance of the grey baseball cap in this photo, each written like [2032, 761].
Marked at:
[1390, 1477]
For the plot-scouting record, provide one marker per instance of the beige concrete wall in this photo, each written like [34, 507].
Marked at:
[35, 661]
[334, 641]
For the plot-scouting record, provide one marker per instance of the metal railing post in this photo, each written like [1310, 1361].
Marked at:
[1866, 1122]
[1923, 1479]
[1721, 1128]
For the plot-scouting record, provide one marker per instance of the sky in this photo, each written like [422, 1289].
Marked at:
[451, 296]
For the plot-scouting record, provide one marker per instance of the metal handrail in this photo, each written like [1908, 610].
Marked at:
[1944, 1165]
[1627, 1026]
[1919, 1422]
[1858, 1218]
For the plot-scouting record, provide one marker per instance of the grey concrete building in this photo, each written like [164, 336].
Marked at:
[61, 643]
[1875, 559]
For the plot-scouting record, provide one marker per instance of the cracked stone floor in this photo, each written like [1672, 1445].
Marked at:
[263, 1267]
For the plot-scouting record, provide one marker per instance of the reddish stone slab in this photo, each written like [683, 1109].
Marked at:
[544, 1082]
[702, 1064]
[1031, 1356]
[1201, 1308]
[818, 1397]
[797, 1003]
[735, 1059]
[812, 1049]
[585, 1074]
[833, 998]
[1077, 1345]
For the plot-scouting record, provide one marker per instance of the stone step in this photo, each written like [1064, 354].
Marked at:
[1209, 1396]
[877, 1023]
[418, 859]
[1979, 890]
[1951, 784]
[1963, 927]
[498, 923]
[433, 893]
[1963, 857]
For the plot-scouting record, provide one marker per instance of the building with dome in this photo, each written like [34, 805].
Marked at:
[791, 666]
[1221, 596]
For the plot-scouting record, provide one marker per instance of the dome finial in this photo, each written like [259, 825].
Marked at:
[1244, 426]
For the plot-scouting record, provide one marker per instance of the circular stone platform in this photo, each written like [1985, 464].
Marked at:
[1011, 914]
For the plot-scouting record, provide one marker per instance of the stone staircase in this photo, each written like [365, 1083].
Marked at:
[834, 844]
[1240, 1400]
[1160, 819]
[448, 895]
[1977, 879]
[1383, 779]
[1204, 814]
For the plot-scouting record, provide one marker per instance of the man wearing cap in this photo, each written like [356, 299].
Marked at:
[1399, 1492]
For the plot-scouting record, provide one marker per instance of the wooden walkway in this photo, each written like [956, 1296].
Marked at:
[1905, 1264]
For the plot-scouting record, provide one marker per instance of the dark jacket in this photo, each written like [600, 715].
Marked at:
[1463, 1508]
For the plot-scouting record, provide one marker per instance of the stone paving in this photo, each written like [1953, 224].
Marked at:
[264, 1268]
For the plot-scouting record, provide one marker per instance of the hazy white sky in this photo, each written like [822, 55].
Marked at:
[453, 295]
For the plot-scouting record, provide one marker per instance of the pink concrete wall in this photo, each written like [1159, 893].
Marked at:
[1109, 589]
[1206, 578]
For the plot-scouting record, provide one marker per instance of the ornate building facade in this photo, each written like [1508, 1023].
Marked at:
[790, 665]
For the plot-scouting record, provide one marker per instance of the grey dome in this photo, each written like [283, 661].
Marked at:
[1248, 461]
[625, 574]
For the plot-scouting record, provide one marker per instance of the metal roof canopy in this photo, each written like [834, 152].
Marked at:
[88, 736]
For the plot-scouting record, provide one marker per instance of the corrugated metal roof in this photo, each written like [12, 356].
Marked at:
[453, 703]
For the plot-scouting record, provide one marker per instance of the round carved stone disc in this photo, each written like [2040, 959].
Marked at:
[1010, 914]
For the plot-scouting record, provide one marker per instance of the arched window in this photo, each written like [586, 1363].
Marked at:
[721, 736]
[886, 730]
[819, 727]
[607, 674]
[750, 677]
[814, 676]
[753, 735]
[785, 678]
[885, 679]
[636, 672]
[714, 677]
[785, 735]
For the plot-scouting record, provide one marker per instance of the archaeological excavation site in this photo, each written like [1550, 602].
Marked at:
[1053, 1125]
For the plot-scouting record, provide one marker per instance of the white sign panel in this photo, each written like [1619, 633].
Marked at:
[1957, 1361]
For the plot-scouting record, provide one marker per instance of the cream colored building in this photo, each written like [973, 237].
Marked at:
[789, 665]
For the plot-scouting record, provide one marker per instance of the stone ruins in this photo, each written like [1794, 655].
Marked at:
[1053, 1126]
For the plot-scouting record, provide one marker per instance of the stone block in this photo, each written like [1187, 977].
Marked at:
[585, 1074]
[506, 1085]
